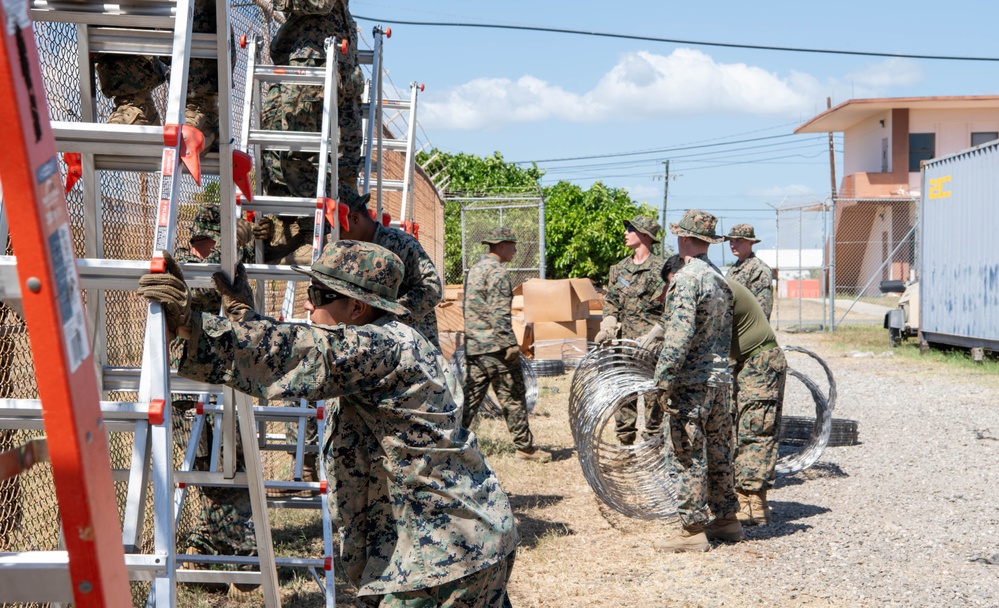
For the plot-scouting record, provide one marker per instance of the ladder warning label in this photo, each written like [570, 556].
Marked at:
[74, 325]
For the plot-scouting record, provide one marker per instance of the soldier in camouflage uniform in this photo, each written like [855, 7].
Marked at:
[129, 81]
[633, 309]
[422, 517]
[695, 389]
[421, 290]
[224, 525]
[492, 355]
[300, 42]
[750, 270]
[760, 372]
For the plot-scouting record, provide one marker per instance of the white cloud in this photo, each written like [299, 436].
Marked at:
[647, 85]
[878, 77]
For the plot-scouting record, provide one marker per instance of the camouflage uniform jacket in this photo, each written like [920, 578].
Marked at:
[308, 23]
[488, 300]
[421, 289]
[414, 500]
[698, 324]
[633, 292]
[758, 278]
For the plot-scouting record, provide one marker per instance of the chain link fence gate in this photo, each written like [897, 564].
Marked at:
[875, 241]
[800, 262]
[524, 213]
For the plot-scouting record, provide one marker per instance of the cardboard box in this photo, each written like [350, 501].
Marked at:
[562, 300]
[524, 333]
[450, 317]
[554, 339]
[593, 326]
[454, 292]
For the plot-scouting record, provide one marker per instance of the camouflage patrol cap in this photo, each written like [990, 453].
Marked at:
[500, 234]
[645, 225]
[697, 224]
[207, 223]
[356, 201]
[363, 271]
[742, 231]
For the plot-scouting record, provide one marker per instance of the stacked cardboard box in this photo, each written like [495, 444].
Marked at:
[560, 317]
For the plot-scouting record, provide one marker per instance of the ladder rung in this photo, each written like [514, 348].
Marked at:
[293, 141]
[286, 74]
[395, 104]
[127, 379]
[147, 42]
[117, 140]
[395, 145]
[390, 185]
[281, 205]
[156, 14]
[111, 410]
[149, 164]
[124, 274]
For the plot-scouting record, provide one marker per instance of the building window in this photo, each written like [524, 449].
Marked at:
[980, 138]
[922, 146]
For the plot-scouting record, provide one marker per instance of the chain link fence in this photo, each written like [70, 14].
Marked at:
[875, 242]
[523, 213]
[29, 514]
[798, 258]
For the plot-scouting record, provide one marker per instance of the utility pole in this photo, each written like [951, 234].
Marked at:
[662, 248]
[832, 238]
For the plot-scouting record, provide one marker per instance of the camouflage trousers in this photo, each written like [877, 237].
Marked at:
[626, 419]
[700, 428]
[759, 399]
[224, 524]
[483, 589]
[130, 74]
[507, 379]
[300, 108]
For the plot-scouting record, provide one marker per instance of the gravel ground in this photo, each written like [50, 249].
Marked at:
[909, 517]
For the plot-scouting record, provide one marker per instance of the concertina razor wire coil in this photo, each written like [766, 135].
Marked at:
[638, 480]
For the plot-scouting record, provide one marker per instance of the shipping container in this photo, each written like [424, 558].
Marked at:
[959, 270]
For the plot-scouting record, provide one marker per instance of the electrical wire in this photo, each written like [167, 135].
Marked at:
[730, 45]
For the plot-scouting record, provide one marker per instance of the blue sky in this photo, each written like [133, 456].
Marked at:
[539, 96]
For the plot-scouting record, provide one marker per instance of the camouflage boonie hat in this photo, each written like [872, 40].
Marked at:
[363, 271]
[697, 224]
[645, 225]
[355, 201]
[742, 231]
[207, 224]
[500, 234]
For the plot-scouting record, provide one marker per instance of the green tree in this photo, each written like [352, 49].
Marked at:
[584, 230]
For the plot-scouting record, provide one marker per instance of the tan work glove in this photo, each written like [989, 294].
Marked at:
[244, 232]
[169, 289]
[237, 296]
[512, 353]
[608, 330]
[647, 340]
[264, 229]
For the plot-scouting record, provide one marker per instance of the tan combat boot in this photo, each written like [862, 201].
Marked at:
[310, 471]
[137, 109]
[745, 514]
[202, 113]
[691, 539]
[760, 508]
[535, 454]
[725, 528]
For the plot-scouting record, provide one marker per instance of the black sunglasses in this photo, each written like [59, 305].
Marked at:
[630, 228]
[320, 295]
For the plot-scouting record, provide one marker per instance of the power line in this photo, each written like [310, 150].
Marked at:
[652, 151]
[729, 45]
